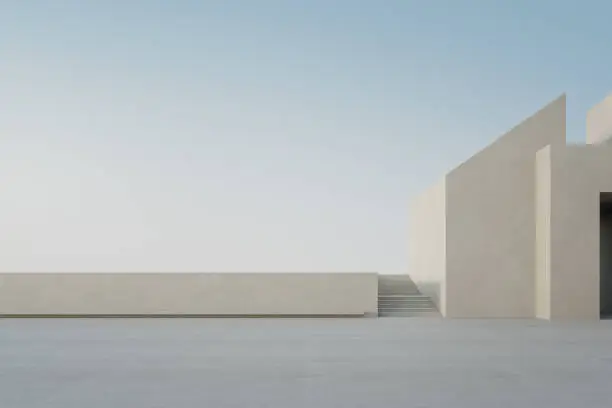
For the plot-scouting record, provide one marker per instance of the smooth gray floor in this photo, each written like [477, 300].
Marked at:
[175, 363]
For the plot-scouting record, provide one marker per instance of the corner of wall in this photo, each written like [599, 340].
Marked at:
[599, 122]
[442, 302]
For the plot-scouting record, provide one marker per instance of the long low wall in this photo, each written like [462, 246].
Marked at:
[206, 294]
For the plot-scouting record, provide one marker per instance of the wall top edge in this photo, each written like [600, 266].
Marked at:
[189, 273]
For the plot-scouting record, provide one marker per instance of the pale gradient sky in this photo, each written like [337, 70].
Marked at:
[150, 135]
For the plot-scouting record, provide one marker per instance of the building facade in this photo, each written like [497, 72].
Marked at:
[522, 229]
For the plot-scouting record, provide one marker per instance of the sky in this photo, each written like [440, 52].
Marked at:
[263, 136]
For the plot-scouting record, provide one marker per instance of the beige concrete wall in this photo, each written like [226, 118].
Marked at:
[579, 174]
[599, 122]
[490, 212]
[428, 243]
[543, 233]
[196, 294]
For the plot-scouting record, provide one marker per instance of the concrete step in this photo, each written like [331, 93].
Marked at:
[411, 298]
[405, 299]
[407, 312]
[391, 301]
[422, 306]
[402, 298]
[397, 293]
[407, 306]
[427, 314]
[406, 309]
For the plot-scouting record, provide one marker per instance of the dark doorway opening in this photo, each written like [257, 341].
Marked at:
[605, 255]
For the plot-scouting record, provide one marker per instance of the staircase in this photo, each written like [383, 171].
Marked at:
[398, 296]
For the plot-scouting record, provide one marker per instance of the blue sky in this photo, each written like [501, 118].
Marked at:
[263, 135]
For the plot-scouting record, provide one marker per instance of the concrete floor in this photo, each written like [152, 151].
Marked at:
[175, 363]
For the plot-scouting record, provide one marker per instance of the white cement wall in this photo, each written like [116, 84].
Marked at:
[428, 244]
[579, 175]
[188, 294]
[490, 213]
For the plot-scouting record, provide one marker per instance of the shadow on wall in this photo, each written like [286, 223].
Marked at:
[431, 289]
